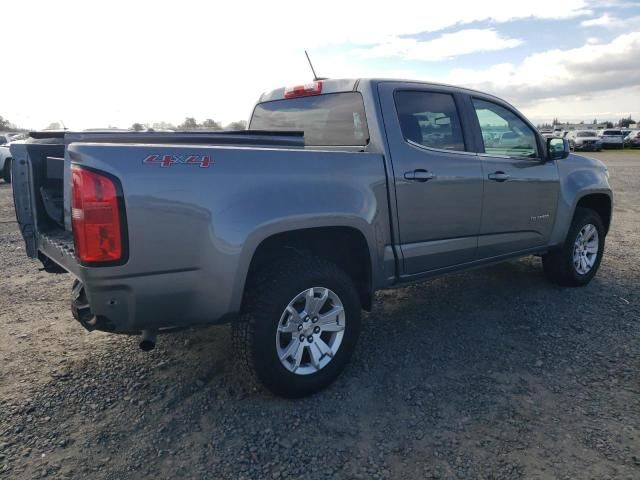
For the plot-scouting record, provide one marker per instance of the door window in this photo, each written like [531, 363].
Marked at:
[503, 132]
[430, 119]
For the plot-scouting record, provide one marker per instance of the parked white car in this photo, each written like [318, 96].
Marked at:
[611, 138]
[5, 155]
[546, 133]
[584, 140]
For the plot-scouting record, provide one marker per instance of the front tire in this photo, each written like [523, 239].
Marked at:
[6, 173]
[577, 262]
[300, 325]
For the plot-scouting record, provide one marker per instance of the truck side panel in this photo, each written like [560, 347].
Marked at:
[193, 230]
[579, 176]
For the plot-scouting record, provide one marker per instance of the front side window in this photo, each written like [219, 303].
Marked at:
[587, 134]
[503, 132]
[430, 119]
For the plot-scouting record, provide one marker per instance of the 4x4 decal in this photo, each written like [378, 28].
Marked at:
[165, 161]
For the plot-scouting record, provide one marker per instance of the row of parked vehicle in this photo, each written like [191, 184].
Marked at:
[596, 140]
[5, 155]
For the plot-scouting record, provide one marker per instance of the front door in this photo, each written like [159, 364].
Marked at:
[520, 186]
[437, 178]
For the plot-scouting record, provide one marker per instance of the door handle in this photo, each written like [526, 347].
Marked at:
[498, 177]
[419, 175]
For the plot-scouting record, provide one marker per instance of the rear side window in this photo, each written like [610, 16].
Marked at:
[430, 119]
[504, 133]
[612, 132]
[335, 119]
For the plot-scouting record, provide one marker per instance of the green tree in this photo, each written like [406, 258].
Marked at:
[189, 124]
[609, 125]
[210, 124]
[137, 127]
[240, 125]
[5, 124]
[625, 122]
[163, 126]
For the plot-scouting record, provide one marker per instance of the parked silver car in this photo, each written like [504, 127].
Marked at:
[632, 139]
[611, 138]
[584, 140]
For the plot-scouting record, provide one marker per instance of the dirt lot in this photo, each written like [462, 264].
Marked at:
[493, 373]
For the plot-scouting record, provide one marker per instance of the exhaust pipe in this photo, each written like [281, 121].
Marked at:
[148, 340]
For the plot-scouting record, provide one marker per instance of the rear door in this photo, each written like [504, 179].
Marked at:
[520, 186]
[437, 177]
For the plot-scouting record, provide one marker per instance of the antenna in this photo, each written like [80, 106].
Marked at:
[315, 77]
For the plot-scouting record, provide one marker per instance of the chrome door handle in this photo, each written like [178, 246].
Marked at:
[418, 175]
[498, 177]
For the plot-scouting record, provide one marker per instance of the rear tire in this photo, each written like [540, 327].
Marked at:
[6, 173]
[577, 262]
[279, 338]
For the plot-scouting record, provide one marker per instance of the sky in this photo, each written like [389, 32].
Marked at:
[92, 64]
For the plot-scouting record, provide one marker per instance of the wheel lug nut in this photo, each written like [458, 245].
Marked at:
[315, 319]
[316, 330]
[300, 327]
[306, 319]
[310, 338]
[302, 338]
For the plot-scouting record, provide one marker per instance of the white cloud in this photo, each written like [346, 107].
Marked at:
[612, 23]
[99, 63]
[445, 46]
[604, 20]
[564, 76]
[610, 105]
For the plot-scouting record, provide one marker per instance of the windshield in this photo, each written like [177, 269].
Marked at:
[586, 134]
[332, 119]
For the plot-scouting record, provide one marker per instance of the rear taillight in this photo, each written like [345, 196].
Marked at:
[314, 88]
[95, 217]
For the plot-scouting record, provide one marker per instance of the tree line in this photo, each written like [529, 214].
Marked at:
[189, 123]
[624, 122]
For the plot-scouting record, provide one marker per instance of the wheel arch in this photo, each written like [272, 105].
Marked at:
[346, 246]
[600, 203]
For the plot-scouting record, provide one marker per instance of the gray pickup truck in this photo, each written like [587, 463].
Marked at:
[338, 188]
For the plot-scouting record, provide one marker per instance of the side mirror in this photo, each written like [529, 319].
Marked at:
[557, 148]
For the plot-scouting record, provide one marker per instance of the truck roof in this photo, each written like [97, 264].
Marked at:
[338, 85]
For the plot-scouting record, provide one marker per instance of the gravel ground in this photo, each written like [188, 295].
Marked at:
[492, 373]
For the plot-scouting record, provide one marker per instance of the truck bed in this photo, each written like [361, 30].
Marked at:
[189, 226]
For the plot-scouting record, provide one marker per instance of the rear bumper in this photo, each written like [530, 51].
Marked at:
[131, 303]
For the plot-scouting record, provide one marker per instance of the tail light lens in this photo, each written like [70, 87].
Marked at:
[95, 217]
